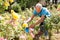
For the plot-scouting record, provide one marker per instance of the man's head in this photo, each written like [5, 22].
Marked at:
[38, 7]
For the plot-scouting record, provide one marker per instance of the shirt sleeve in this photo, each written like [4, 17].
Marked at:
[34, 12]
[46, 13]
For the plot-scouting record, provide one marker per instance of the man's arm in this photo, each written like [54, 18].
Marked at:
[30, 19]
[33, 25]
[40, 20]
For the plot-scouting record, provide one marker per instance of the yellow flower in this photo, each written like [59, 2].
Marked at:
[25, 25]
[6, 4]
[11, 1]
[14, 15]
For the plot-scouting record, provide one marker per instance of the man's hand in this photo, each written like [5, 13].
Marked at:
[28, 20]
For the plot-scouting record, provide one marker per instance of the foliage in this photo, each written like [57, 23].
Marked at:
[16, 28]
[27, 3]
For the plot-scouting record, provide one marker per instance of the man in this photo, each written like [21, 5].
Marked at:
[42, 12]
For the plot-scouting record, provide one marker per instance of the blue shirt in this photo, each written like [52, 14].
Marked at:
[44, 12]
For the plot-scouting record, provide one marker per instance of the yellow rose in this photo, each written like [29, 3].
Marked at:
[6, 4]
[25, 25]
[11, 1]
[14, 15]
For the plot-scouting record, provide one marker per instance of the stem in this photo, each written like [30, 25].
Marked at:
[57, 30]
[50, 34]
